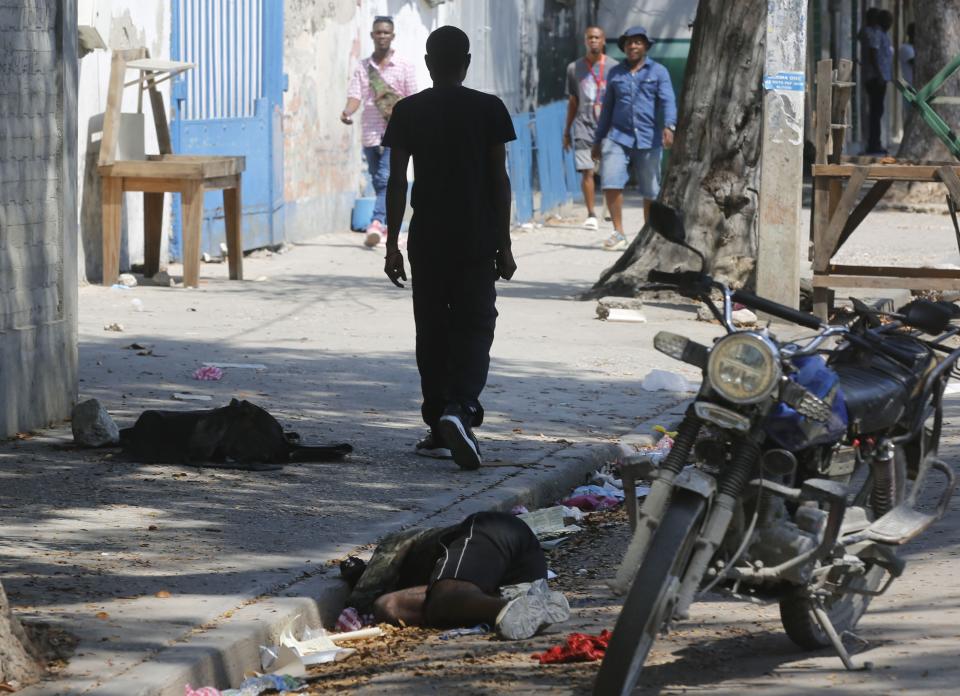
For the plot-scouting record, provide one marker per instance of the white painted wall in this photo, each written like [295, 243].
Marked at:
[122, 24]
[664, 19]
[323, 168]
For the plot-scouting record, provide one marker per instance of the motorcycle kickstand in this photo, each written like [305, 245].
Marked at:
[820, 614]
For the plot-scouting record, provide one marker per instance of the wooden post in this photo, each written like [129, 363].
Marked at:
[781, 159]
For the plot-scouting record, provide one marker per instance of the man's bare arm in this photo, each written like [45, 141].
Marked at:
[396, 207]
[497, 165]
[573, 103]
[349, 110]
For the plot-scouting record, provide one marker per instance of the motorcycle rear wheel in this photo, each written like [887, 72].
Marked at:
[650, 602]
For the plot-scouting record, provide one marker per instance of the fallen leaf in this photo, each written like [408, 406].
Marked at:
[152, 528]
[102, 615]
[162, 594]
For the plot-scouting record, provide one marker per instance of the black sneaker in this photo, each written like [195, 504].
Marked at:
[458, 436]
[433, 446]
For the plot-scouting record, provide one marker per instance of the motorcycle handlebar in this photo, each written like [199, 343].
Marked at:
[693, 279]
[776, 309]
[680, 278]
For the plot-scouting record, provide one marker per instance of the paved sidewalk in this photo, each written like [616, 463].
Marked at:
[91, 541]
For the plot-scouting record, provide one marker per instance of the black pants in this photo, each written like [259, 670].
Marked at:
[454, 307]
[876, 93]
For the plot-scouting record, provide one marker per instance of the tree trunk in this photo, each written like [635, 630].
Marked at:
[714, 164]
[19, 660]
[937, 43]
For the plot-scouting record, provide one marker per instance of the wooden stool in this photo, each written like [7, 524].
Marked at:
[189, 175]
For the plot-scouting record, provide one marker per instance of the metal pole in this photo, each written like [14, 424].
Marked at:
[780, 245]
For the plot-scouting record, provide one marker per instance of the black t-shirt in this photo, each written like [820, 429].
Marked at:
[449, 132]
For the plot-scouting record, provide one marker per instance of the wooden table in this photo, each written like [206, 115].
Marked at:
[835, 222]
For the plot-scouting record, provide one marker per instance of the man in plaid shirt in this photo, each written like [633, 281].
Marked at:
[378, 82]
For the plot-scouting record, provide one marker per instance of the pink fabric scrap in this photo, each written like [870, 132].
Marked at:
[591, 503]
[208, 373]
[202, 691]
[349, 620]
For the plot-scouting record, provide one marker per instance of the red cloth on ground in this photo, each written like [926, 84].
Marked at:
[579, 647]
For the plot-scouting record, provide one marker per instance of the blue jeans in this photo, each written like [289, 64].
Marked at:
[378, 163]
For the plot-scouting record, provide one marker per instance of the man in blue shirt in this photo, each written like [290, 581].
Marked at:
[639, 115]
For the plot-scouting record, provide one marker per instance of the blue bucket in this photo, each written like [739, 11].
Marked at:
[362, 213]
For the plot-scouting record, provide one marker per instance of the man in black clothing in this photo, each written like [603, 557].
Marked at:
[459, 242]
[487, 569]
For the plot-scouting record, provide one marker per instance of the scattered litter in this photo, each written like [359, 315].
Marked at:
[603, 491]
[187, 396]
[605, 304]
[551, 575]
[202, 691]
[576, 514]
[519, 510]
[578, 647]
[136, 346]
[120, 286]
[655, 453]
[113, 327]
[127, 279]
[316, 647]
[349, 620]
[548, 521]
[260, 279]
[266, 683]
[92, 426]
[236, 366]
[208, 373]
[592, 502]
[634, 316]
[457, 632]
[661, 380]
[137, 304]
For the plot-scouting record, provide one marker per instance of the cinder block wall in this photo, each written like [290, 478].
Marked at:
[38, 212]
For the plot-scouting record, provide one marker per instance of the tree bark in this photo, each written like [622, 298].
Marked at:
[937, 43]
[20, 662]
[714, 165]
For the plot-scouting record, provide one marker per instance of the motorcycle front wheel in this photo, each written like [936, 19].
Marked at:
[652, 597]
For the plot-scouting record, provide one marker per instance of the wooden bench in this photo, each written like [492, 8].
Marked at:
[189, 175]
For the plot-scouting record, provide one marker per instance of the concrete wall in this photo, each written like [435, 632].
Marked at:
[664, 19]
[323, 171]
[38, 232]
[122, 24]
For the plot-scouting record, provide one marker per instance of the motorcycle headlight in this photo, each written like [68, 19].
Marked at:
[744, 367]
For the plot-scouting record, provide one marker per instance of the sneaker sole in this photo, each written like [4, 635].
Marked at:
[464, 452]
[557, 608]
[521, 618]
[437, 453]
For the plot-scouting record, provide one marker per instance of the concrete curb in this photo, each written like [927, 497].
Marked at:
[222, 654]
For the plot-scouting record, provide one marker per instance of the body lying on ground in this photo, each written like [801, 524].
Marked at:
[489, 569]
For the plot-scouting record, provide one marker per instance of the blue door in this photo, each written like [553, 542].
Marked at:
[231, 103]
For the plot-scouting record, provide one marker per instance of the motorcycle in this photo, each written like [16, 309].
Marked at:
[795, 474]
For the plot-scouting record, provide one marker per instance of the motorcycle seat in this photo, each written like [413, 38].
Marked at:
[875, 400]
[878, 388]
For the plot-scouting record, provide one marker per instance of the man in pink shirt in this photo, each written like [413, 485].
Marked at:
[378, 82]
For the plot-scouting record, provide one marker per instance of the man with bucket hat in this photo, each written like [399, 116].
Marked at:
[638, 119]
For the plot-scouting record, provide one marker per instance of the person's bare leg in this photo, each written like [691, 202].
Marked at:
[457, 603]
[403, 606]
[646, 210]
[614, 198]
[589, 192]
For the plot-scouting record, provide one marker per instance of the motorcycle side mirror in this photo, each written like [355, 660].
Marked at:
[667, 222]
[930, 317]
